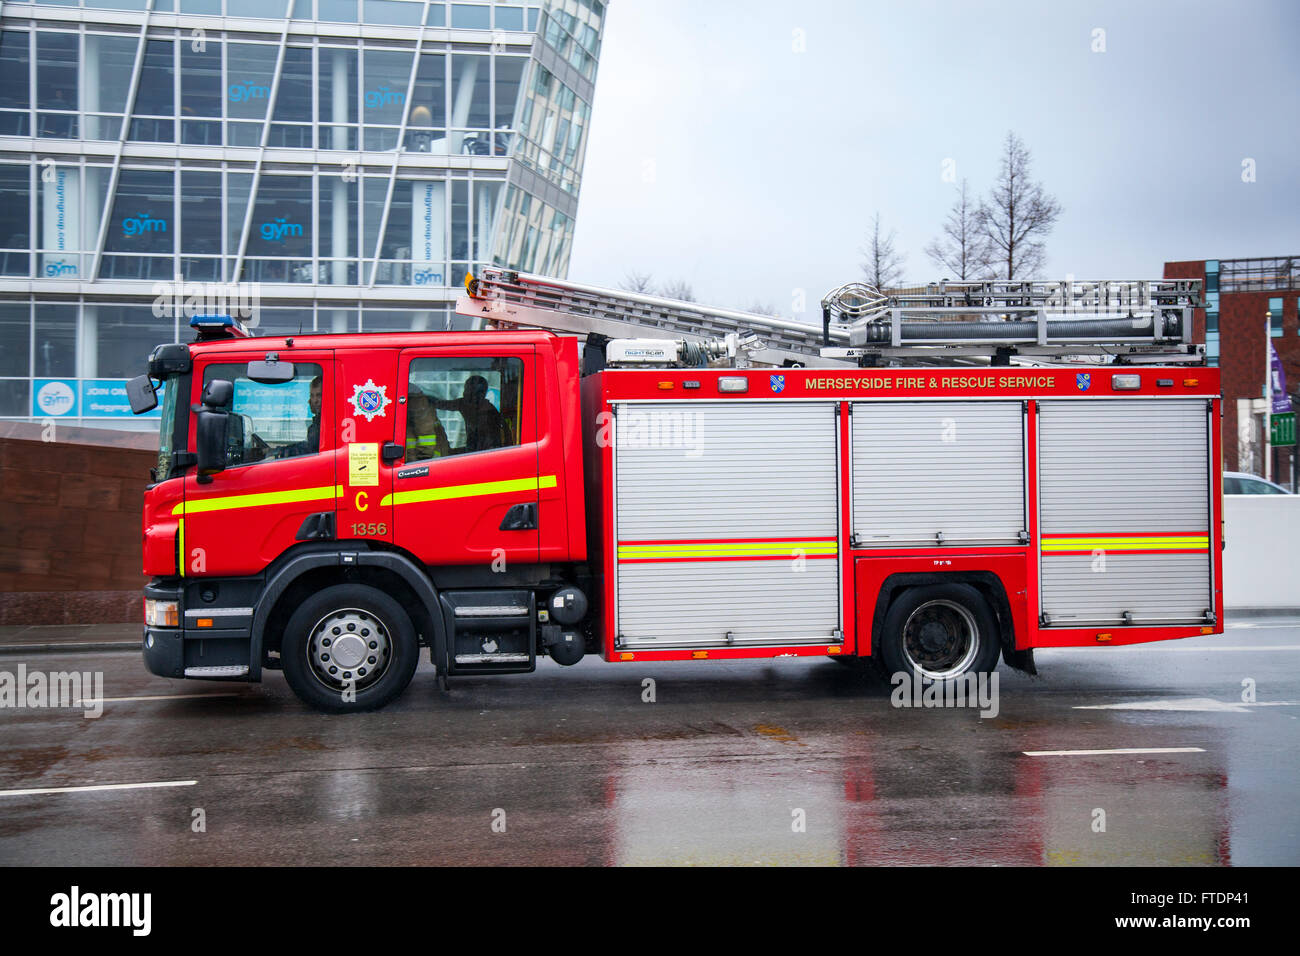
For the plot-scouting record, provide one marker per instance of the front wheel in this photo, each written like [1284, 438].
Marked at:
[350, 647]
[939, 632]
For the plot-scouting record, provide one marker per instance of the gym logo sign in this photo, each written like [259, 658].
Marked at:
[1083, 380]
[370, 399]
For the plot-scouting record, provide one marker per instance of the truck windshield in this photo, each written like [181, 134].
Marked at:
[167, 427]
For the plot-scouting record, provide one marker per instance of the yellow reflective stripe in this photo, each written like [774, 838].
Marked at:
[180, 545]
[258, 500]
[1186, 542]
[727, 549]
[448, 492]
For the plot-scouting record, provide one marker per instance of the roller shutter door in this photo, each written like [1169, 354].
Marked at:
[727, 523]
[925, 469]
[1125, 512]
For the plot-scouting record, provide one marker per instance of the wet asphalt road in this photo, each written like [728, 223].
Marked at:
[780, 762]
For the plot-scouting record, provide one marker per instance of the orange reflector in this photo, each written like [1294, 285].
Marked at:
[1103, 637]
[626, 657]
[665, 385]
[204, 622]
[699, 655]
[1207, 630]
[1189, 382]
[834, 650]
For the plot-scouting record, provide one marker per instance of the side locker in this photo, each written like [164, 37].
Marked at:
[366, 412]
[1125, 512]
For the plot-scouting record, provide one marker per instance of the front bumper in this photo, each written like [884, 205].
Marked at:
[220, 649]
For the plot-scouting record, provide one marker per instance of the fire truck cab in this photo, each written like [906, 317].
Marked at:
[333, 506]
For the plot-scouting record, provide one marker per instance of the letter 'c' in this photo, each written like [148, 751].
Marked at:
[362, 497]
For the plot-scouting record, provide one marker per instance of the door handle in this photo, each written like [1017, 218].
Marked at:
[520, 518]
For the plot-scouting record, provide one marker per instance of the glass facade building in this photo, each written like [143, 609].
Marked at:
[329, 165]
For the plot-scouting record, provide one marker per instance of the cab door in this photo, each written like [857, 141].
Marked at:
[279, 467]
[466, 491]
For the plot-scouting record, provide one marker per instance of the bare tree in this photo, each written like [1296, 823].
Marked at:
[635, 281]
[761, 308]
[962, 247]
[1018, 215]
[678, 289]
[882, 264]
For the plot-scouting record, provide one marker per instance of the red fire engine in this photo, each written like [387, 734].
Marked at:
[946, 487]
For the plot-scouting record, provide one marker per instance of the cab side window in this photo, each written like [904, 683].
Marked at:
[269, 422]
[456, 406]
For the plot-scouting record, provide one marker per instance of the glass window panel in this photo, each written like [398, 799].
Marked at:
[15, 337]
[154, 97]
[404, 320]
[477, 402]
[376, 190]
[142, 212]
[510, 18]
[532, 18]
[397, 237]
[293, 101]
[116, 4]
[13, 397]
[56, 341]
[56, 83]
[272, 421]
[302, 10]
[340, 237]
[471, 105]
[467, 16]
[510, 70]
[110, 62]
[201, 212]
[429, 97]
[338, 98]
[486, 195]
[262, 9]
[437, 16]
[282, 217]
[212, 7]
[392, 11]
[15, 84]
[201, 79]
[15, 209]
[387, 74]
[283, 322]
[337, 11]
[250, 68]
[126, 335]
[460, 219]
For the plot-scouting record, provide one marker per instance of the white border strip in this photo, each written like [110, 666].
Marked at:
[1122, 750]
[107, 786]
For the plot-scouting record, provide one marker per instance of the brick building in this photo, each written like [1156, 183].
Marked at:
[1241, 296]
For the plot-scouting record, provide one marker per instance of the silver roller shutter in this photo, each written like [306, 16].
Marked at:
[733, 475]
[1125, 511]
[921, 469]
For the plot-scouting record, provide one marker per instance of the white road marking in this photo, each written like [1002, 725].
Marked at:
[106, 786]
[1191, 703]
[1122, 750]
[119, 700]
[1161, 647]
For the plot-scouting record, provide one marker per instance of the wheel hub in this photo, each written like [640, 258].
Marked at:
[349, 647]
[941, 639]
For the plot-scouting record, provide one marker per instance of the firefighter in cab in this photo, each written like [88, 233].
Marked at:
[425, 436]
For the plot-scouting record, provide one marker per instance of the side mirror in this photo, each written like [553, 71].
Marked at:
[212, 425]
[210, 441]
[140, 392]
[270, 373]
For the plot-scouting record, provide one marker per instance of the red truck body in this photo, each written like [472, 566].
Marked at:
[666, 514]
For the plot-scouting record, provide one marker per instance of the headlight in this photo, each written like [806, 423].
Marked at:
[162, 613]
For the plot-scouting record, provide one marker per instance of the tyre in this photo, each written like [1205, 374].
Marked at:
[351, 647]
[938, 632]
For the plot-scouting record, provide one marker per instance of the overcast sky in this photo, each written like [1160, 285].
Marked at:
[721, 154]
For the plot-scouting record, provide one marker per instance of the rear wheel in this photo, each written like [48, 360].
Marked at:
[939, 632]
[350, 647]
